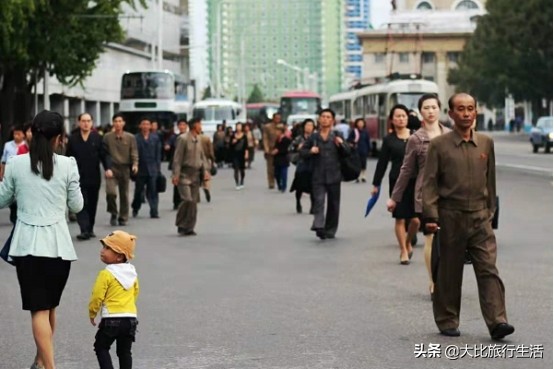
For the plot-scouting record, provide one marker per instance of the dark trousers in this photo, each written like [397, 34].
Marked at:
[270, 171]
[330, 222]
[471, 231]
[151, 193]
[176, 197]
[188, 209]
[121, 330]
[238, 170]
[298, 196]
[280, 174]
[120, 181]
[87, 217]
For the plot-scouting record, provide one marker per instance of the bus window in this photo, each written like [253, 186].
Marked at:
[371, 104]
[358, 107]
[347, 111]
[408, 99]
[383, 115]
[147, 85]
[181, 91]
[337, 107]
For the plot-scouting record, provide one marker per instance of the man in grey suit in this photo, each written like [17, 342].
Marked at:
[150, 152]
[323, 148]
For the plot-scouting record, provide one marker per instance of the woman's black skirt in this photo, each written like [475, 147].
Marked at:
[302, 181]
[41, 281]
[405, 209]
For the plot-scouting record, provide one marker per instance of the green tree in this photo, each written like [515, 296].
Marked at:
[510, 51]
[256, 96]
[207, 93]
[63, 38]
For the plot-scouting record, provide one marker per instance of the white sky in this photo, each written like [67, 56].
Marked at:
[380, 10]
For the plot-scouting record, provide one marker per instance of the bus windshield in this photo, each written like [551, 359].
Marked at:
[299, 105]
[408, 99]
[215, 113]
[147, 85]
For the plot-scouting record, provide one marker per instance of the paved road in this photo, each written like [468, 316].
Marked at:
[256, 289]
[514, 151]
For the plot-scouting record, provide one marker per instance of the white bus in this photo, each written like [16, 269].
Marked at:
[214, 111]
[373, 103]
[159, 95]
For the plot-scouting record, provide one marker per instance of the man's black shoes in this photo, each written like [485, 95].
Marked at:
[451, 332]
[184, 232]
[502, 330]
[83, 236]
[320, 233]
[113, 220]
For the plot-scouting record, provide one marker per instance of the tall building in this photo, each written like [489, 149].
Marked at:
[357, 19]
[278, 45]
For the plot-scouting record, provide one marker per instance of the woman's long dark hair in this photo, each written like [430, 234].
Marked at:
[46, 126]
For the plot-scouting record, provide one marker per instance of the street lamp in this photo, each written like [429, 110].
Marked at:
[293, 67]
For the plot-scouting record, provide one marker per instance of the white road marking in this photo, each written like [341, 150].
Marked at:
[525, 167]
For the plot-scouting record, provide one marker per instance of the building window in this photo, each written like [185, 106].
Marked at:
[466, 4]
[424, 5]
[427, 57]
[404, 57]
[453, 56]
[379, 58]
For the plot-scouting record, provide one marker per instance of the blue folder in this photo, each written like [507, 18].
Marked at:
[371, 202]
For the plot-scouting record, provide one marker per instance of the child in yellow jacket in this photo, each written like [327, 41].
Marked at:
[114, 295]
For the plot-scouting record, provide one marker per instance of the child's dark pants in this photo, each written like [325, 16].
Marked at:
[121, 330]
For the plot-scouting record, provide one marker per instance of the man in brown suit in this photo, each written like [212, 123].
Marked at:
[123, 153]
[459, 194]
[208, 148]
[270, 134]
[189, 166]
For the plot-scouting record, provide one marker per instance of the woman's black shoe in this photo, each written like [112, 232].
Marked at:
[298, 208]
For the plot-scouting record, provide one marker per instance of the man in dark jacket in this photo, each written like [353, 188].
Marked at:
[85, 145]
[150, 156]
[324, 149]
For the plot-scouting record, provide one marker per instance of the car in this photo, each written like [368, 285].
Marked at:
[541, 135]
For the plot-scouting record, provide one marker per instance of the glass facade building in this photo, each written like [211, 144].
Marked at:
[357, 18]
[279, 45]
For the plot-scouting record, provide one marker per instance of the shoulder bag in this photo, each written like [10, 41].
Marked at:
[350, 165]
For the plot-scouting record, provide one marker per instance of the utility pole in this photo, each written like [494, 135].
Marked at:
[160, 33]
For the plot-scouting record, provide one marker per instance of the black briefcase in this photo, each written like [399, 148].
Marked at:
[496, 214]
[161, 183]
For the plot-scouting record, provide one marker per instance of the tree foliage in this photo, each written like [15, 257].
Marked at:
[510, 51]
[256, 96]
[207, 93]
[61, 37]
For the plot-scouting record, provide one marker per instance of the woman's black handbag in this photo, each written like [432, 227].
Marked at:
[161, 183]
[4, 253]
[213, 170]
[350, 166]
